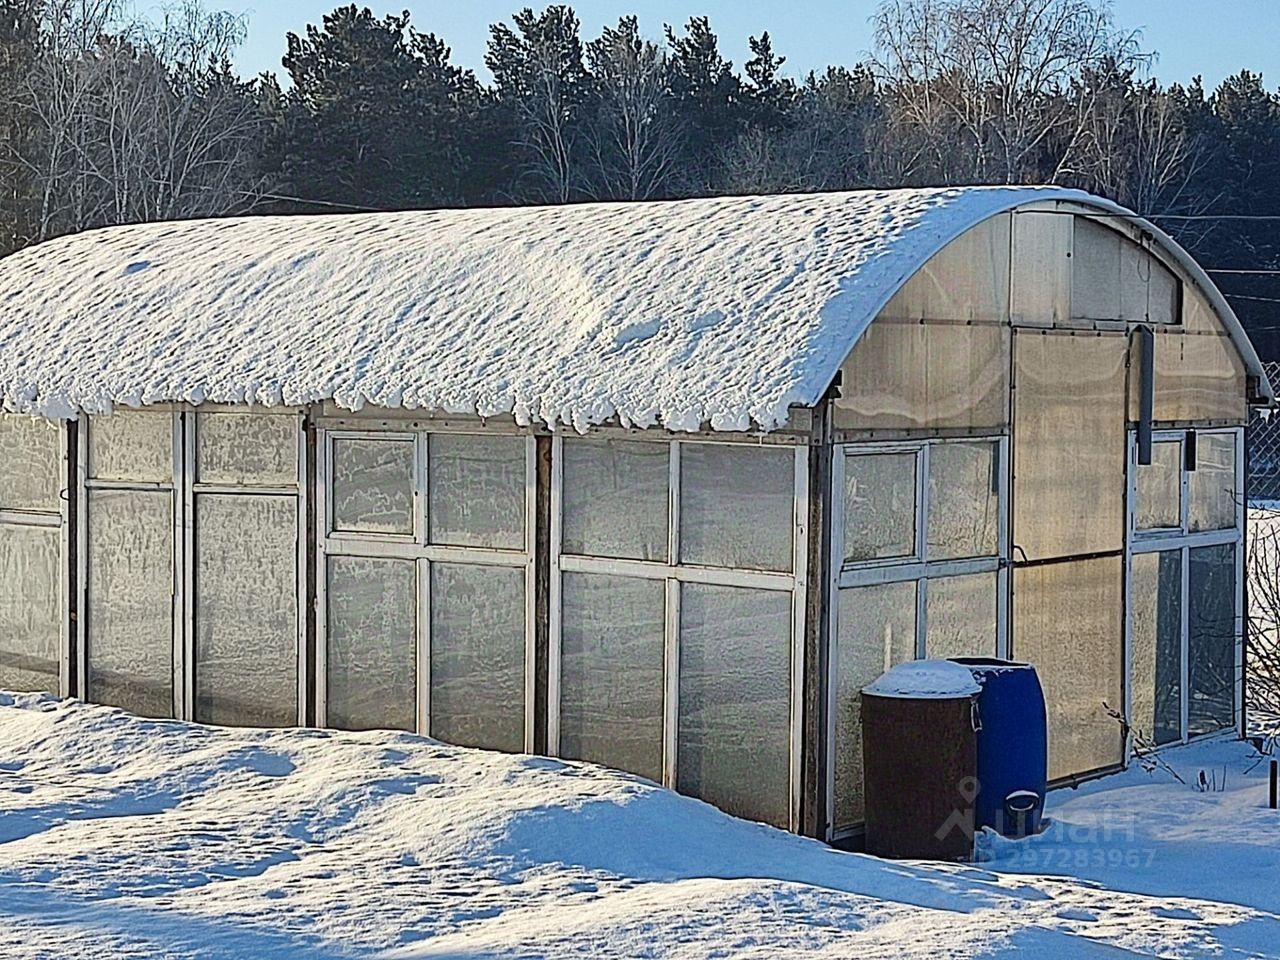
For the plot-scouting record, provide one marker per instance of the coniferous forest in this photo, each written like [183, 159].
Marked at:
[110, 118]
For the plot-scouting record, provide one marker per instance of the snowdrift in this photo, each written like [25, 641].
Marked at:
[122, 837]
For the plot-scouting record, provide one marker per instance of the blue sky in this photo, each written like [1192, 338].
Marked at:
[1209, 37]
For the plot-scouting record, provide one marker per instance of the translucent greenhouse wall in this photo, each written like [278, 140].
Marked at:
[191, 536]
[33, 484]
[677, 610]
[1018, 335]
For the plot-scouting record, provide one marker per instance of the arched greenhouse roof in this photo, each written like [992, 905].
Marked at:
[723, 311]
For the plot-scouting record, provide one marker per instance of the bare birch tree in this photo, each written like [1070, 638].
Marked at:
[131, 120]
[542, 79]
[987, 82]
[632, 134]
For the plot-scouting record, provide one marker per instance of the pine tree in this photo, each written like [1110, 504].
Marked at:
[377, 116]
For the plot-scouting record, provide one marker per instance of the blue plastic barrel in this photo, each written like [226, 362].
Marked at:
[1013, 750]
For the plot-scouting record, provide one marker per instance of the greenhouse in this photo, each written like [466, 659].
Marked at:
[659, 486]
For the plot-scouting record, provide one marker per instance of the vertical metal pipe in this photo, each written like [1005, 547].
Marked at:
[1145, 341]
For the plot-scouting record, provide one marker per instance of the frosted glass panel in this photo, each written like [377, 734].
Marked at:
[615, 498]
[611, 672]
[734, 741]
[920, 376]
[243, 448]
[1159, 495]
[373, 485]
[477, 656]
[1213, 483]
[372, 644]
[246, 610]
[1155, 663]
[736, 505]
[876, 629]
[30, 466]
[960, 616]
[879, 506]
[129, 620]
[1069, 444]
[1211, 644]
[964, 501]
[131, 445]
[477, 490]
[30, 607]
[1068, 622]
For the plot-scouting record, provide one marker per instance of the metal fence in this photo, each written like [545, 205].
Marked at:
[1264, 449]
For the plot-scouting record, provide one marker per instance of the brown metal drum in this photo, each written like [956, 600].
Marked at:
[920, 761]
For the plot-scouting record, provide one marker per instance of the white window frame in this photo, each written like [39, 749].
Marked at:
[916, 568]
[184, 485]
[417, 548]
[1181, 539]
[58, 520]
[673, 573]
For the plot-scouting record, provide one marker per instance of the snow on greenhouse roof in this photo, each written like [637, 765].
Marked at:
[722, 311]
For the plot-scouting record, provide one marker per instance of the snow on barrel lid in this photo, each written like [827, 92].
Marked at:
[925, 680]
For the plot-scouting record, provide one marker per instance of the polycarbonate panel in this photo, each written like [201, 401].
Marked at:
[476, 486]
[30, 607]
[913, 376]
[1211, 639]
[129, 589]
[245, 448]
[1113, 278]
[477, 656]
[1068, 620]
[876, 630]
[967, 280]
[1069, 446]
[246, 610]
[371, 644]
[1095, 273]
[30, 464]
[964, 501]
[1040, 277]
[1155, 646]
[1212, 483]
[879, 506]
[960, 616]
[372, 485]
[611, 669]
[1159, 488]
[1197, 315]
[131, 445]
[615, 498]
[737, 505]
[734, 727]
[1198, 377]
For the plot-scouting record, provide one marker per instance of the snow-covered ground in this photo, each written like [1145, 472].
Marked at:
[124, 837]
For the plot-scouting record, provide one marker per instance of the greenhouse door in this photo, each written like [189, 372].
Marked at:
[1068, 491]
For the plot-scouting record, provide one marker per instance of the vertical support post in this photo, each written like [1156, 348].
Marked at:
[1273, 784]
[814, 817]
[539, 737]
